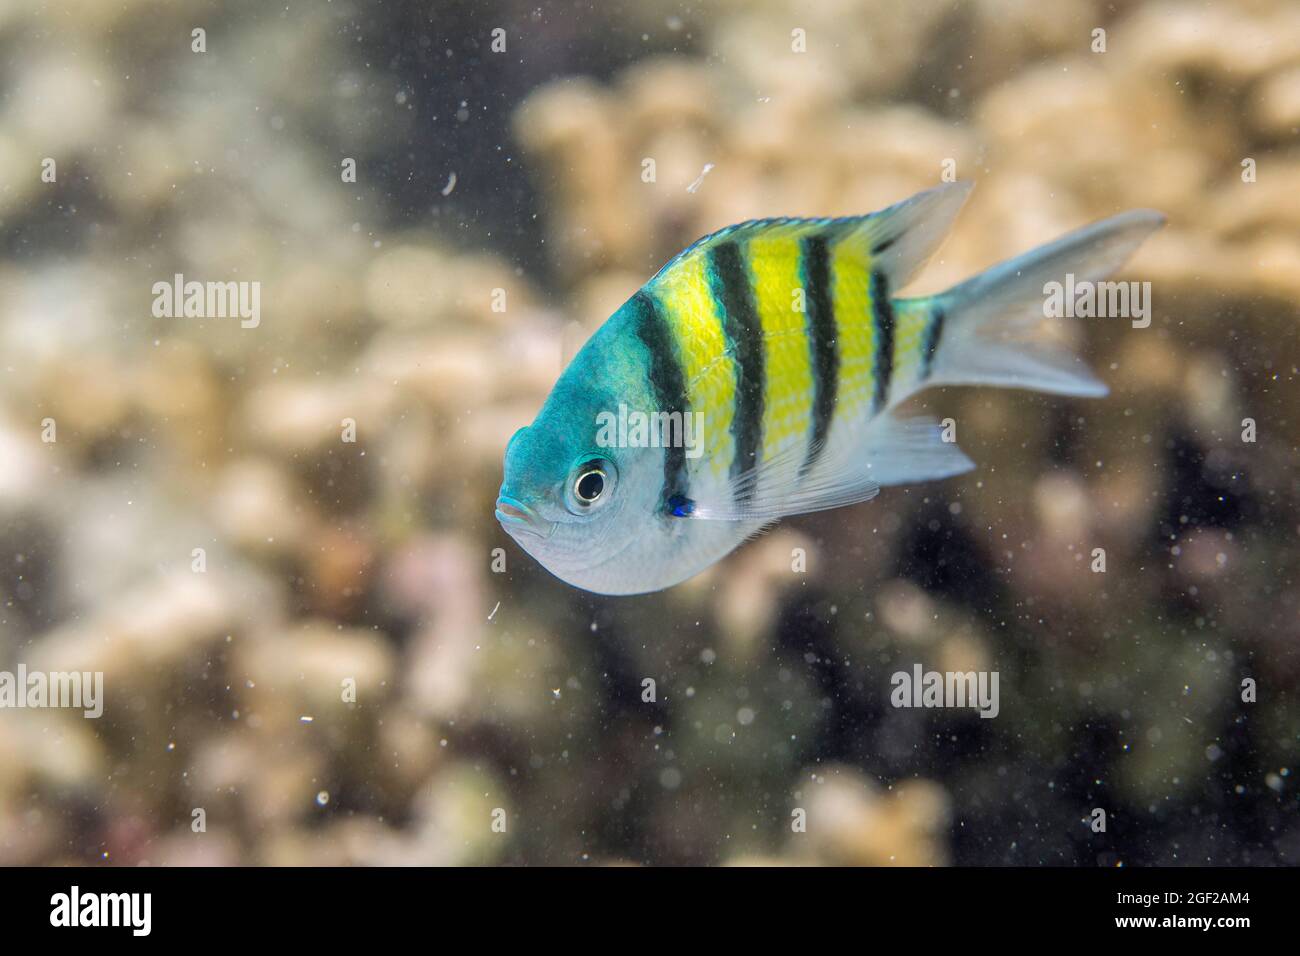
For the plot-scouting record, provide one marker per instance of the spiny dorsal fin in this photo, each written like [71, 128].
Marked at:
[895, 241]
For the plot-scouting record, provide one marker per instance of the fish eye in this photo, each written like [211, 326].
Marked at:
[590, 485]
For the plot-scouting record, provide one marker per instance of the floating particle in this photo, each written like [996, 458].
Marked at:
[699, 181]
[451, 184]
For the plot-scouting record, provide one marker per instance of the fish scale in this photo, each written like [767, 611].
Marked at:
[774, 266]
[773, 254]
[708, 368]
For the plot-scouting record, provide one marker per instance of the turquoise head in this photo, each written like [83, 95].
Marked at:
[582, 505]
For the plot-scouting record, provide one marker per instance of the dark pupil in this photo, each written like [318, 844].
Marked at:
[591, 485]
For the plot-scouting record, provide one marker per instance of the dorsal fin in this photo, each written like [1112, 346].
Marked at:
[895, 241]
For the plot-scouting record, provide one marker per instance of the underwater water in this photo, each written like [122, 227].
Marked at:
[278, 283]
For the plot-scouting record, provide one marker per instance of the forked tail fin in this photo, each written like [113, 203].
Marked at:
[995, 329]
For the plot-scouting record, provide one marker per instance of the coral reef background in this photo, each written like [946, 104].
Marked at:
[481, 683]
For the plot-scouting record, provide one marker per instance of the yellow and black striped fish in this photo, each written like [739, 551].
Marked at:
[758, 375]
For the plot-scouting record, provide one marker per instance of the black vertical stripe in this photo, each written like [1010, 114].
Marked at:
[669, 385]
[930, 345]
[884, 244]
[882, 313]
[729, 283]
[819, 318]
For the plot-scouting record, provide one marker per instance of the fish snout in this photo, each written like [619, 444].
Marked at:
[515, 516]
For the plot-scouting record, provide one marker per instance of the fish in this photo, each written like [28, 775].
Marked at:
[762, 373]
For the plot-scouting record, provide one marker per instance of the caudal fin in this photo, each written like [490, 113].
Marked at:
[994, 326]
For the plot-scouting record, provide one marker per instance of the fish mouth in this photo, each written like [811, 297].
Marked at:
[515, 516]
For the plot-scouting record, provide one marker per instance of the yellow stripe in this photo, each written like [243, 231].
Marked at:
[851, 293]
[788, 396]
[709, 371]
[911, 318]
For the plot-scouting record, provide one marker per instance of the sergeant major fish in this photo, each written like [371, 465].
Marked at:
[785, 338]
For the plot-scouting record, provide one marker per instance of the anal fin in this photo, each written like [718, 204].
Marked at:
[901, 449]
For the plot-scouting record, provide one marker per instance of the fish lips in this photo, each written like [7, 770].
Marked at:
[517, 518]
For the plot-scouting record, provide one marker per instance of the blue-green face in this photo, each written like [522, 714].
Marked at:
[555, 476]
[571, 503]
